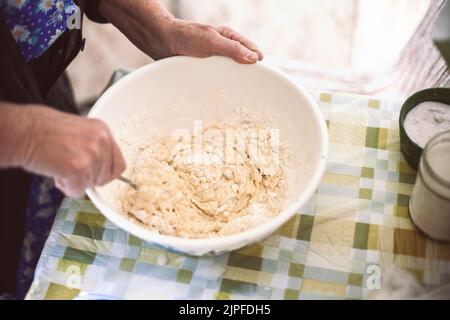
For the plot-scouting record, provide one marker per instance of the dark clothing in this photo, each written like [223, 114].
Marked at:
[40, 81]
[49, 66]
[29, 83]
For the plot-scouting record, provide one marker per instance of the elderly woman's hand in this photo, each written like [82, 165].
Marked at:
[157, 33]
[199, 40]
[77, 152]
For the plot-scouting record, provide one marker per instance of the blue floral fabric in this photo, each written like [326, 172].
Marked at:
[43, 203]
[36, 24]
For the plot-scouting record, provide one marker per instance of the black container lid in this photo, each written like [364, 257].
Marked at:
[412, 151]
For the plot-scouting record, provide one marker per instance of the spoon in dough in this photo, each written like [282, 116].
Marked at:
[128, 182]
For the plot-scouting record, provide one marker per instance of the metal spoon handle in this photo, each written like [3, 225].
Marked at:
[129, 182]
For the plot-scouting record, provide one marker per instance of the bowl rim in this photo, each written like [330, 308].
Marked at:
[210, 244]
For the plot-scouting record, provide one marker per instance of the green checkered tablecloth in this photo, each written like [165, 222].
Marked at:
[358, 218]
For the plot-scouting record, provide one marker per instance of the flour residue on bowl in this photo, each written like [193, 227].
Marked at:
[220, 178]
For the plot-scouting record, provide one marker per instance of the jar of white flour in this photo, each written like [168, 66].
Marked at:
[429, 203]
[423, 115]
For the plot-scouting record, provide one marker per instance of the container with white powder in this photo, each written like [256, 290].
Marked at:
[424, 115]
[426, 120]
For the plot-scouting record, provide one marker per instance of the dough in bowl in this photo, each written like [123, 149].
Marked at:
[225, 178]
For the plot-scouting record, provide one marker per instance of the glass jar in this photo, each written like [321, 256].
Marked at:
[429, 204]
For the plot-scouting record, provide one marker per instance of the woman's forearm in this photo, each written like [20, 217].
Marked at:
[15, 125]
[146, 23]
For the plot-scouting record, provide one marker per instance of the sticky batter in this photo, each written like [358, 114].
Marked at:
[210, 186]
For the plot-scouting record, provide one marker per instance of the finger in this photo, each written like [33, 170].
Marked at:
[104, 175]
[70, 189]
[118, 162]
[95, 171]
[59, 183]
[236, 36]
[100, 153]
[221, 45]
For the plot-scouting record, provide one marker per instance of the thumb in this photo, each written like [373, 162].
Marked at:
[69, 189]
[233, 49]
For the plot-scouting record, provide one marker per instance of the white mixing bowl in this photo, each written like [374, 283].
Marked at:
[152, 92]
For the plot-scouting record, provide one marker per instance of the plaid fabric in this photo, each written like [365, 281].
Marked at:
[358, 218]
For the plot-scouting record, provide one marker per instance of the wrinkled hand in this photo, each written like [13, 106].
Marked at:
[199, 40]
[79, 153]
[157, 33]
